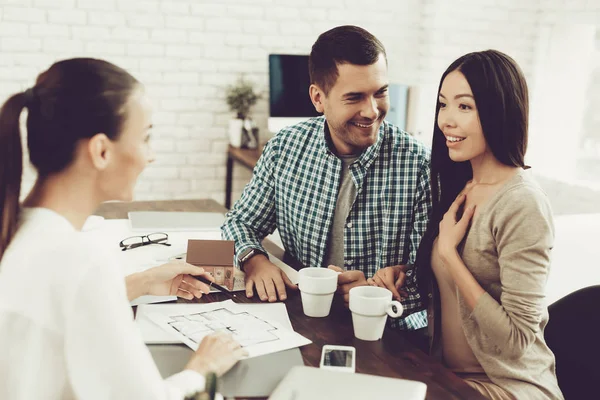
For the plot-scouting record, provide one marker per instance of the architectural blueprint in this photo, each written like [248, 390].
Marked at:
[255, 333]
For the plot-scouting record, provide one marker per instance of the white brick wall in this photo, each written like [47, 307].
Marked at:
[187, 51]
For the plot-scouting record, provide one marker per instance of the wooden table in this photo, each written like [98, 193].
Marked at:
[246, 157]
[394, 356]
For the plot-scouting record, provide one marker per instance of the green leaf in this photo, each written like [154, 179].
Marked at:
[241, 97]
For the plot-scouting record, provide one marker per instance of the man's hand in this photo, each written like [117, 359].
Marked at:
[347, 280]
[269, 280]
[391, 278]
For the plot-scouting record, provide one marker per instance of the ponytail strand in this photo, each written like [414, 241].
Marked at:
[11, 167]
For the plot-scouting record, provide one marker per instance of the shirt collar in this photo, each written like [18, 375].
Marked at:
[366, 158]
[45, 219]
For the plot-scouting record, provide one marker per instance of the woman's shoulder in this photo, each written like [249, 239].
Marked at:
[522, 210]
[522, 194]
[54, 253]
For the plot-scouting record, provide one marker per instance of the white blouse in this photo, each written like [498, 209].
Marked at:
[66, 326]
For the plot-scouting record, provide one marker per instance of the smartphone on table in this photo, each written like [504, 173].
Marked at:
[338, 358]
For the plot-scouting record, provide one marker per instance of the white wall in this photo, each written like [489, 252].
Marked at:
[557, 126]
[187, 51]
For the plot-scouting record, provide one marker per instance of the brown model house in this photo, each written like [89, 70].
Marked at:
[216, 257]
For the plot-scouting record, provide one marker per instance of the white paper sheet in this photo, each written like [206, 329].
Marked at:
[108, 233]
[256, 333]
[153, 334]
[289, 271]
[152, 299]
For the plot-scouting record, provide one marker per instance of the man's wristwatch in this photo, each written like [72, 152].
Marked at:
[246, 255]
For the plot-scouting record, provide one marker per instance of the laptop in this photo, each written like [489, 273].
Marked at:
[253, 377]
[158, 221]
[308, 383]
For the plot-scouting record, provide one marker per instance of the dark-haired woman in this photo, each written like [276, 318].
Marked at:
[66, 326]
[483, 263]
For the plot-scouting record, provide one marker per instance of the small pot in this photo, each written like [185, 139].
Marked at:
[235, 132]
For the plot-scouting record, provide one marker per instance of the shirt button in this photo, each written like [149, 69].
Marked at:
[349, 224]
[348, 262]
[430, 295]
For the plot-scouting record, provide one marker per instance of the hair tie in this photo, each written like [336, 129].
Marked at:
[29, 95]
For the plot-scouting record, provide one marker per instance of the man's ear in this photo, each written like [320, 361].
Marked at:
[316, 96]
[99, 149]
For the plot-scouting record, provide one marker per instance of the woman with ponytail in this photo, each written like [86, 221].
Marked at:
[66, 325]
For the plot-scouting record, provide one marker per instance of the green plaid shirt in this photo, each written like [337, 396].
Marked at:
[294, 188]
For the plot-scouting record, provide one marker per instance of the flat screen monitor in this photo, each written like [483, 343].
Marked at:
[289, 101]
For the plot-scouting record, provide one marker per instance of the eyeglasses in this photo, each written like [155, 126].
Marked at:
[137, 241]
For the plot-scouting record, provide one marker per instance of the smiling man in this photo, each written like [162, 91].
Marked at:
[347, 189]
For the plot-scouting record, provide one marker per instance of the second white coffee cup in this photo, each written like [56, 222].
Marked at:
[370, 307]
[317, 286]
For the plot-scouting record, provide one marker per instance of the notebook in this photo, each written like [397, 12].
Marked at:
[308, 383]
[157, 221]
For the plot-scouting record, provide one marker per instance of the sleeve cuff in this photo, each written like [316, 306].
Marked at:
[187, 382]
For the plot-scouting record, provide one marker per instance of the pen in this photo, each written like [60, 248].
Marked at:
[211, 385]
[212, 284]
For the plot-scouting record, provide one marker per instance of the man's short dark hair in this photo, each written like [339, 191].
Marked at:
[346, 44]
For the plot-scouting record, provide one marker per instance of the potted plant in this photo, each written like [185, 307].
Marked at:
[241, 97]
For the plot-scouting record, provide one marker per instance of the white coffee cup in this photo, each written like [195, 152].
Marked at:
[370, 307]
[317, 286]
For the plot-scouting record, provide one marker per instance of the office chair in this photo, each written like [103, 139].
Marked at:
[573, 335]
